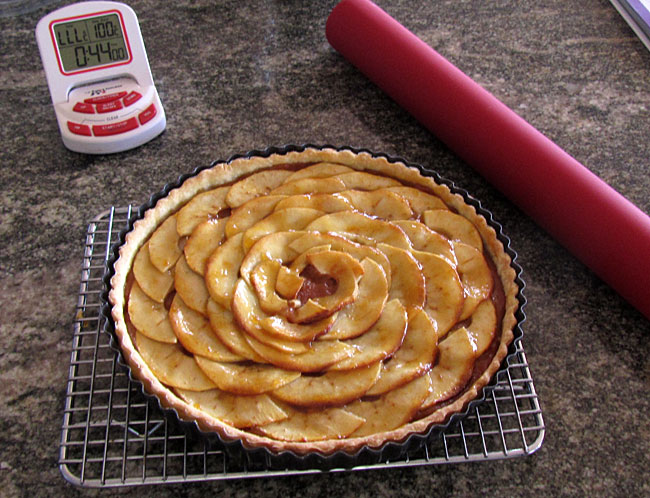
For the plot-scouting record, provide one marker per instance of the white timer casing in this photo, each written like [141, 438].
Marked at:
[103, 108]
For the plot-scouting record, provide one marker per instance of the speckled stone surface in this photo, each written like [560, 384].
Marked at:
[235, 76]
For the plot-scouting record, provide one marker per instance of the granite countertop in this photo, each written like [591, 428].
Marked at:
[235, 76]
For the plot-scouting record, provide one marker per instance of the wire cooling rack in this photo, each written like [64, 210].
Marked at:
[112, 436]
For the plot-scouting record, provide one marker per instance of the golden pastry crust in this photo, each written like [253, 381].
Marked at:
[224, 174]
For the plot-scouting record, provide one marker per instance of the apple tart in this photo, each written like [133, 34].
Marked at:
[317, 300]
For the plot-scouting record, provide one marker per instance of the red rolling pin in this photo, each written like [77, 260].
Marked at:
[598, 225]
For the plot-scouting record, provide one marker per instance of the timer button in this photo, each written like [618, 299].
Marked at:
[79, 129]
[83, 107]
[115, 128]
[147, 115]
[114, 105]
[131, 98]
[105, 98]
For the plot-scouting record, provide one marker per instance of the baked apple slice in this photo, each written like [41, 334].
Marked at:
[288, 282]
[391, 410]
[483, 326]
[408, 284]
[352, 222]
[255, 185]
[363, 180]
[338, 243]
[224, 327]
[251, 212]
[222, 270]
[381, 203]
[149, 317]
[249, 316]
[332, 388]
[205, 239]
[445, 294]
[358, 317]
[202, 207]
[164, 245]
[318, 170]
[237, 411]
[457, 353]
[475, 276]
[290, 219]
[453, 226]
[424, 239]
[419, 200]
[171, 365]
[195, 333]
[264, 279]
[153, 282]
[275, 246]
[414, 357]
[328, 203]
[190, 286]
[329, 185]
[244, 378]
[319, 356]
[304, 426]
[378, 343]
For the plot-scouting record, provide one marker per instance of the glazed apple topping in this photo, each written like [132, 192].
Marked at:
[314, 303]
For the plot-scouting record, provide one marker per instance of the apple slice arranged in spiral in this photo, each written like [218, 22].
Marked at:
[255, 185]
[363, 180]
[329, 185]
[319, 356]
[318, 170]
[414, 357]
[195, 333]
[303, 426]
[332, 388]
[482, 326]
[249, 316]
[190, 286]
[457, 354]
[381, 203]
[171, 365]
[424, 239]
[344, 270]
[445, 294]
[352, 222]
[237, 411]
[224, 327]
[245, 379]
[275, 246]
[222, 270]
[475, 276]
[279, 221]
[310, 240]
[202, 207]
[164, 245]
[381, 341]
[251, 212]
[391, 410]
[149, 317]
[408, 284]
[453, 226]
[419, 200]
[264, 279]
[357, 318]
[205, 239]
[327, 203]
[153, 282]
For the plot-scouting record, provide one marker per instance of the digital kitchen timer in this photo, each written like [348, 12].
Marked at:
[99, 78]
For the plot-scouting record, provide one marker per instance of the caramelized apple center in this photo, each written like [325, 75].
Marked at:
[315, 285]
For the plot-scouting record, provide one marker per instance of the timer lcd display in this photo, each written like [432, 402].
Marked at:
[87, 43]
